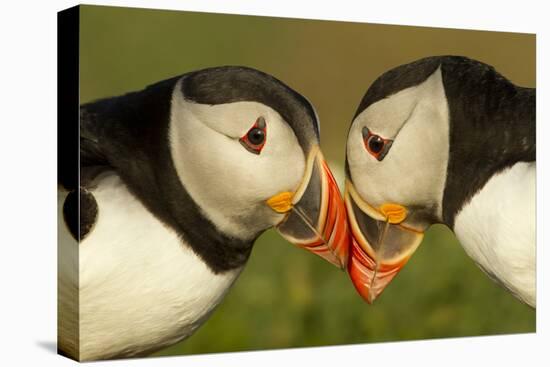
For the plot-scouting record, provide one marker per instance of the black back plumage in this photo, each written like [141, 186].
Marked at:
[492, 121]
[129, 134]
[492, 128]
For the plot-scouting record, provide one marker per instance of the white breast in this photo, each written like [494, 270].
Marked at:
[141, 287]
[497, 230]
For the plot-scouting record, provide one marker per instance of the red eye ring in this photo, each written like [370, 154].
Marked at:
[255, 138]
[376, 145]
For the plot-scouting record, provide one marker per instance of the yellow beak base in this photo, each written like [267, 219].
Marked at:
[281, 203]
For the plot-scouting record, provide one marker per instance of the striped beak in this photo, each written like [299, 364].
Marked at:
[381, 243]
[316, 216]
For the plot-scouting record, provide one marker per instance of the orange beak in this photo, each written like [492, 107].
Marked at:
[381, 244]
[316, 217]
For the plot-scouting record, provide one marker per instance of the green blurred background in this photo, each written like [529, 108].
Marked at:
[286, 297]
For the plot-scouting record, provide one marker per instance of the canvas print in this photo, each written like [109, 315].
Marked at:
[200, 154]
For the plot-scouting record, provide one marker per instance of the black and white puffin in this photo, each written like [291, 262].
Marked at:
[443, 140]
[177, 181]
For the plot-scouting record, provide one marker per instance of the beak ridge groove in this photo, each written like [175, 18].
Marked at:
[321, 210]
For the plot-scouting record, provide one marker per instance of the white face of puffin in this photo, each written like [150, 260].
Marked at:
[397, 154]
[244, 167]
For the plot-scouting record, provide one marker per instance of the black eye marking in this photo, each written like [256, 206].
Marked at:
[254, 140]
[377, 146]
[261, 123]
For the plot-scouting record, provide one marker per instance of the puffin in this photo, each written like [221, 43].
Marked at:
[176, 183]
[444, 139]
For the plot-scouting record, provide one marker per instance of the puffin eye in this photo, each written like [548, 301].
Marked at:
[254, 139]
[376, 145]
[256, 136]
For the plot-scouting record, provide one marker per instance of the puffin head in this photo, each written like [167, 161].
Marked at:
[246, 148]
[397, 154]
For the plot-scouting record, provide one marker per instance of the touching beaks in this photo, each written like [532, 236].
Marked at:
[381, 244]
[316, 215]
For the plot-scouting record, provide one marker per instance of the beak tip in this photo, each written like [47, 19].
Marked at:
[344, 258]
[373, 297]
[366, 293]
